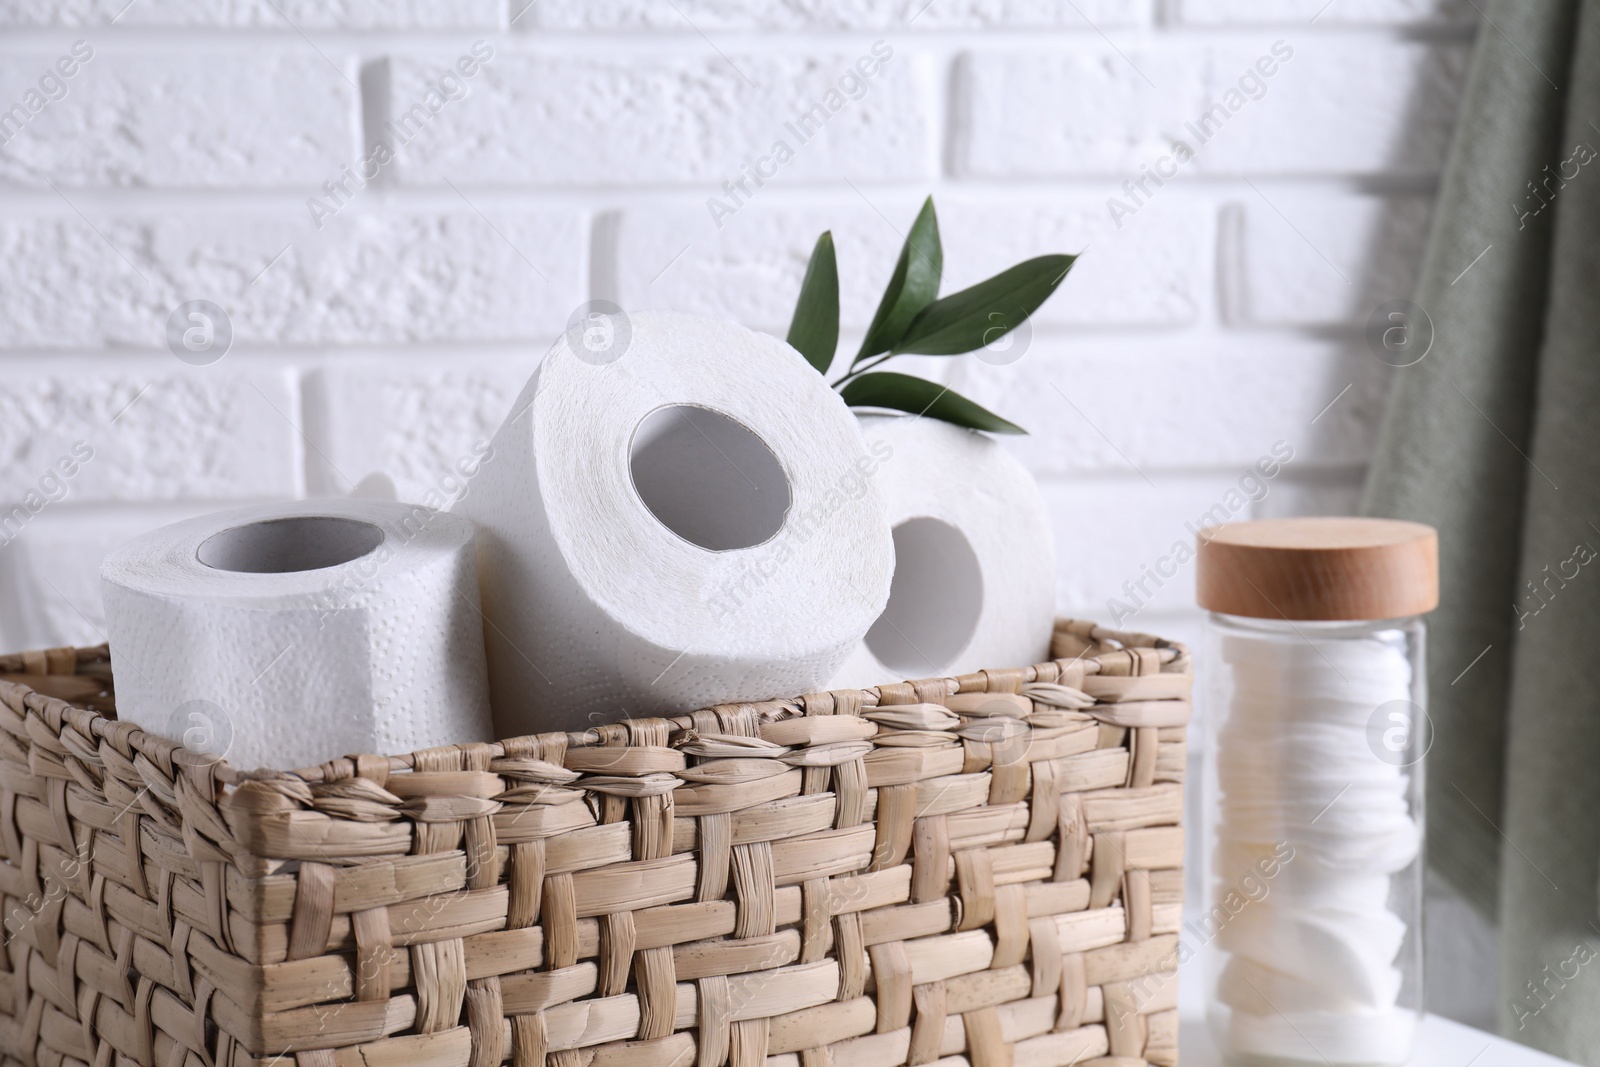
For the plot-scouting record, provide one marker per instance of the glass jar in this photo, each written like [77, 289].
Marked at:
[1315, 729]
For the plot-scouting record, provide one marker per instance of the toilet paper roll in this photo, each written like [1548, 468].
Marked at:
[284, 635]
[685, 517]
[974, 574]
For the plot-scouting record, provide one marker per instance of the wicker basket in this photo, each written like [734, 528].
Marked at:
[983, 870]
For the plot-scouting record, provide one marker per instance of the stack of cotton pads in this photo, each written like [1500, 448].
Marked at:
[1310, 969]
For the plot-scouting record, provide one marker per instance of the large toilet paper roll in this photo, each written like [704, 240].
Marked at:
[284, 635]
[684, 517]
[974, 578]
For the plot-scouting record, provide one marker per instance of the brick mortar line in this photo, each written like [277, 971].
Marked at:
[134, 40]
[113, 200]
[1173, 341]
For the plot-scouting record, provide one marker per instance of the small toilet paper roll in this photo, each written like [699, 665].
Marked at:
[684, 517]
[974, 578]
[285, 635]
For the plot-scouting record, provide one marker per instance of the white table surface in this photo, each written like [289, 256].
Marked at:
[1440, 1043]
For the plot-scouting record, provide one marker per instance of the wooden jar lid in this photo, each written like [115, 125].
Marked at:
[1319, 569]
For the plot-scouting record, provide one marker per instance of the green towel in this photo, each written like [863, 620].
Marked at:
[1494, 438]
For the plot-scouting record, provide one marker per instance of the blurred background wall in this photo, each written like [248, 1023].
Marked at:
[392, 208]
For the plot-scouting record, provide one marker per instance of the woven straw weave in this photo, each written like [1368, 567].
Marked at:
[978, 872]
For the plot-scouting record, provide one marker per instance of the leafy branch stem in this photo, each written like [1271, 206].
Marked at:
[862, 368]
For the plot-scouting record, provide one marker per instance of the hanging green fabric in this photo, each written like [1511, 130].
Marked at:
[1494, 438]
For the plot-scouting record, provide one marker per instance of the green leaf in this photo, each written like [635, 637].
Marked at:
[912, 287]
[814, 332]
[972, 318]
[902, 392]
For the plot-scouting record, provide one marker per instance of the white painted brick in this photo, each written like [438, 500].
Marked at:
[258, 14]
[370, 276]
[898, 16]
[51, 572]
[1081, 108]
[750, 269]
[416, 420]
[1375, 104]
[648, 118]
[184, 119]
[1318, 258]
[1180, 403]
[1300, 13]
[1114, 530]
[1151, 271]
[1335, 492]
[1344, 104]
[158, 429]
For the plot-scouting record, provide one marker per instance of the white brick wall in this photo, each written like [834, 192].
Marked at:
[409, 418]
[850, 15]
[166, 118]
[668, 115]
[197, 154]
[1153, 273]
[1349, 254]
[374, 273]
[154, 428]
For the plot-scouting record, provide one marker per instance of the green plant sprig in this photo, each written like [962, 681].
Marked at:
[912, 319]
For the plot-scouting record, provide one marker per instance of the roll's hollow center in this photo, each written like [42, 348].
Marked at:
[708, 478]
[935, 599]
[283, 546]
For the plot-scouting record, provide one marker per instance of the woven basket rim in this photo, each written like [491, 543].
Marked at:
[131, 739]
